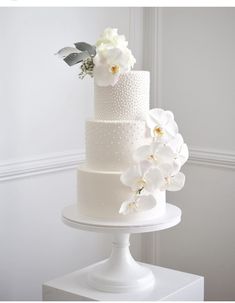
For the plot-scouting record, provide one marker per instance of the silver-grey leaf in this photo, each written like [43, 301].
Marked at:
[75, 58]
[83, 46]
[64, 52]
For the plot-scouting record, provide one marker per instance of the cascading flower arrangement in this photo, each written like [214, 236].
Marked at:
[105, 61]
[156, 165]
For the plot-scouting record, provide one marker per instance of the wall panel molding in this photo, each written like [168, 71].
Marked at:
[132, 27]
[152, 53]
[216, 158]
[135, 40]
[19, 168]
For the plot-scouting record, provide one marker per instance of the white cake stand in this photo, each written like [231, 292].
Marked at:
[120, 273]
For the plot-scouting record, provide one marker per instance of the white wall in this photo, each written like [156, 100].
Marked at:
[44, 103]
[195, 79]
[35, 245]
[43, 110]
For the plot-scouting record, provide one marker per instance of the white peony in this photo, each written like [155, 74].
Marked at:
[137, 204]
[162, 125]
[110, 38]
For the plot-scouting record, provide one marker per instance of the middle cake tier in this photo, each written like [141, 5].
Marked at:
[110, 144]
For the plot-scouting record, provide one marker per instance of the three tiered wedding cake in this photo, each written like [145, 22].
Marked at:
[117, 131]
[133, 154]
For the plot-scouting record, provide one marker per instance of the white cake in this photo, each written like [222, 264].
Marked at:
[117, 130]
[133, 154]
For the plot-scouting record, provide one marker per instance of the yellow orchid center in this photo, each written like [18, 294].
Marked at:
[168, 180]
[133, 205]
[158, 131]
[141, 183]
[152, 158]
[115, 69]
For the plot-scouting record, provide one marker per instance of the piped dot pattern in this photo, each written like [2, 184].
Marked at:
[127, 100]
[110, 144]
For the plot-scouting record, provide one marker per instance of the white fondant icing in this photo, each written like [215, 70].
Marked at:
[110, 144]
[111, 138]
[100, 195]
[127, 100]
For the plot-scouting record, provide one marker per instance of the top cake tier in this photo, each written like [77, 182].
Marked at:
[128, 99]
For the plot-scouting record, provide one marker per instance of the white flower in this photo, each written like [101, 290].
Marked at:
[112, 58]
[173, 179]
[109, 64]
[180, 149]
[130, 59]
[162, 124]
[143, 178]
[110, 38]
[157, 153]
[105, 72]
[137, 204]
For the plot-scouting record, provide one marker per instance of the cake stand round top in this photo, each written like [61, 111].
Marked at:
[72, 218]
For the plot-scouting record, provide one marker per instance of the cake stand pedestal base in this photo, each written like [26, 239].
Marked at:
[120, 273]
[120, 277]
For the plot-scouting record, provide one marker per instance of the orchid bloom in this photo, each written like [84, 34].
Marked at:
[173, 179]
[180, 149]
[157, 153]
[112, 58]
[142, 178]
[143, 181]
[137, 204]
[162, 125]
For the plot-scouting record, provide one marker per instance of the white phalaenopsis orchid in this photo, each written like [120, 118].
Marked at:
[157, 153]
[173, 179]
[137, 204]
[157, 164]
[162, 125]
[180, 149]
[143, 178]
[112, 58]
[109, 64]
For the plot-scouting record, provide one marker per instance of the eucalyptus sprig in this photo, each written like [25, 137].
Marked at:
[87, 68]
[82, 53]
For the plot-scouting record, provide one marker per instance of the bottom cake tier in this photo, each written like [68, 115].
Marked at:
[101, 193]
